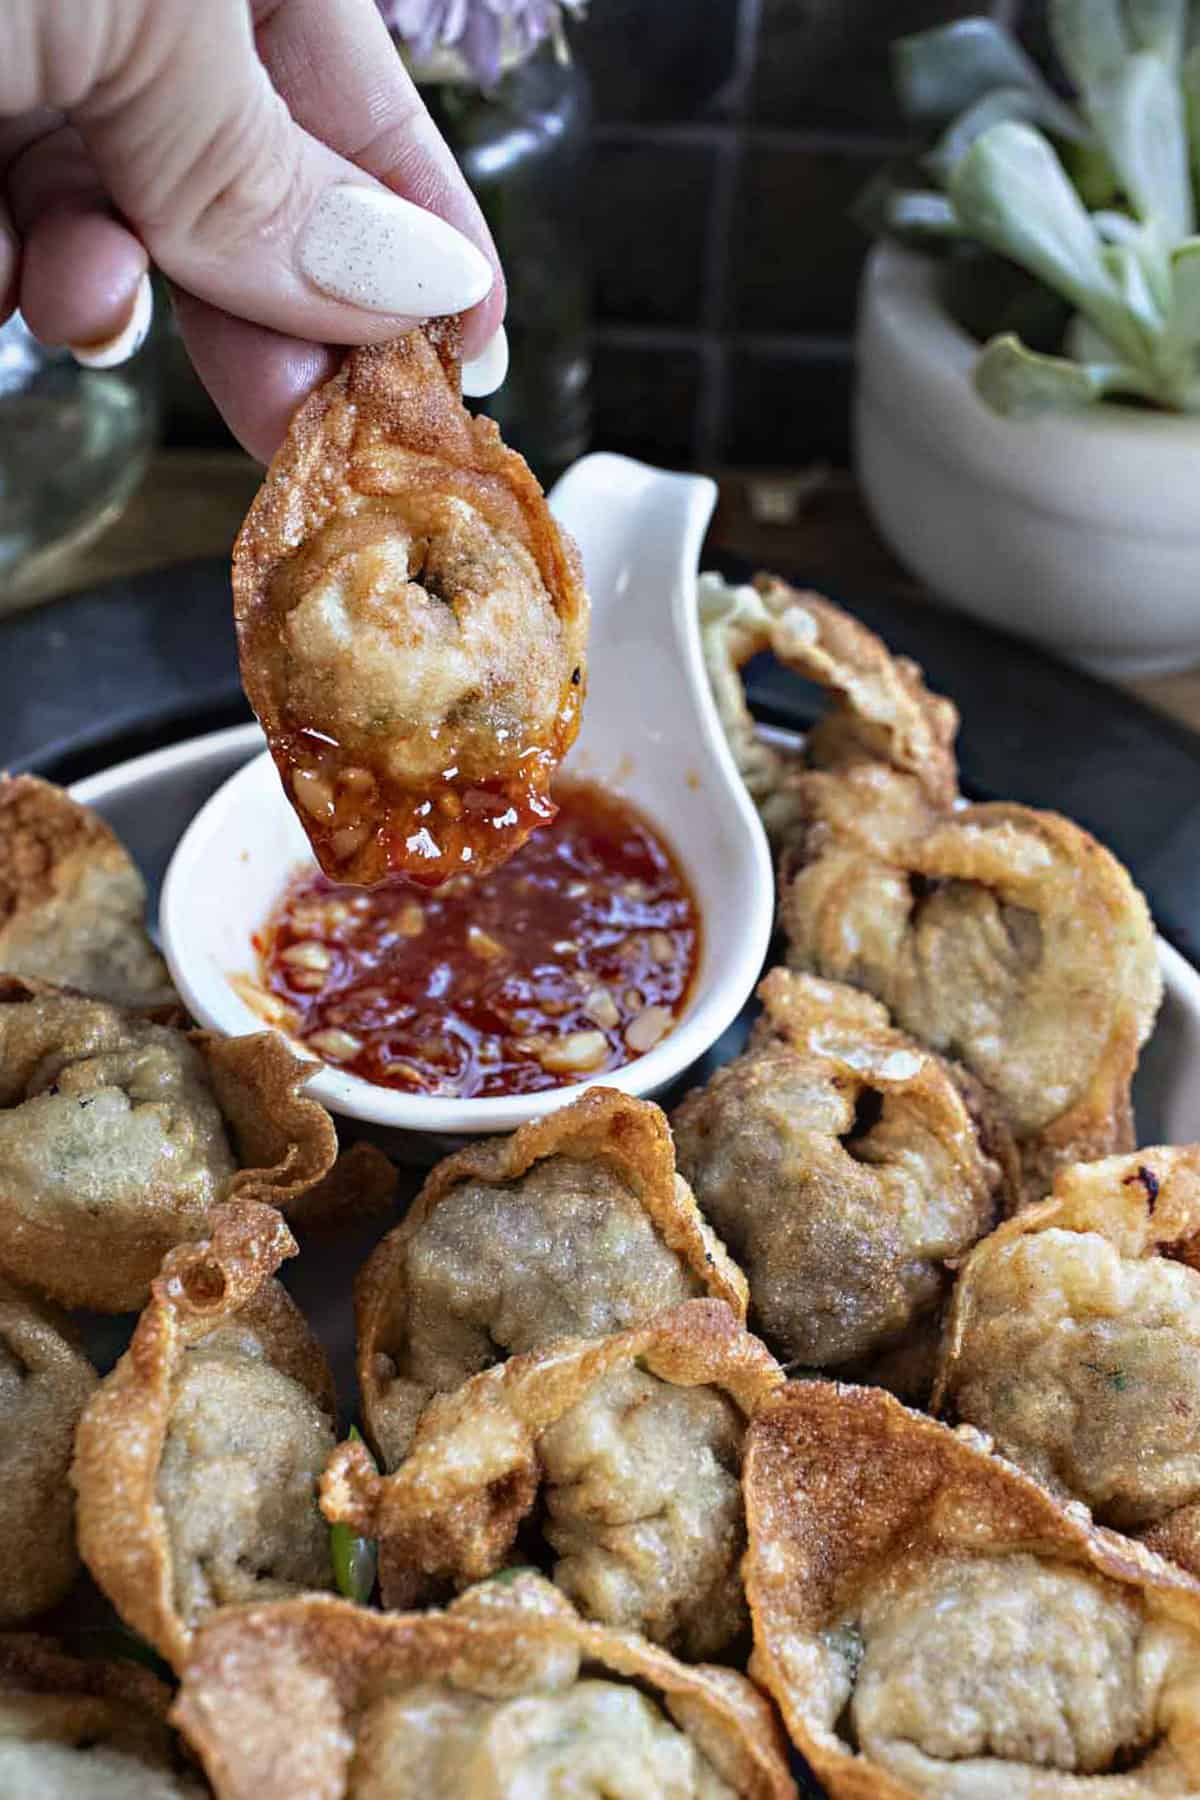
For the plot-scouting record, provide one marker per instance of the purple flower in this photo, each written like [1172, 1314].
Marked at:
[479, 31]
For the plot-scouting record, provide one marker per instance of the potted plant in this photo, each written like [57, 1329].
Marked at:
[1028, 406]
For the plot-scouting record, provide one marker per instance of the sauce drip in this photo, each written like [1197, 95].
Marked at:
[569, 961]
[363, 825]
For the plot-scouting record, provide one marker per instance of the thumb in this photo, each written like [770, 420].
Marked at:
[242, 208]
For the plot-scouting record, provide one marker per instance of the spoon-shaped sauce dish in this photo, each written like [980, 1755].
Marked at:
[650, 735]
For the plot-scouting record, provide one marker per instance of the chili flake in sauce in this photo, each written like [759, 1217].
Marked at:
[572, 959]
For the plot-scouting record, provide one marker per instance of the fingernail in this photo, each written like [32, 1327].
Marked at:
[485, 372]
[381, 252]
[110, 352]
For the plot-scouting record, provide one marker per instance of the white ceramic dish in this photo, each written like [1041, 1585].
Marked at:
[1080, 530]
[650, 732]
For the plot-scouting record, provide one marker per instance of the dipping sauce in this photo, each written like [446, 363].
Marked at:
[572, 959]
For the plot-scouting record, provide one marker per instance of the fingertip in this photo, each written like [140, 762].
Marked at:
[111, 352]
[84, 275]
[255, 377]
[483, 374]
[10, 266]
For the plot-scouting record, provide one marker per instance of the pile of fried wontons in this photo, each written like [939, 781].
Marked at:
[856, 1405]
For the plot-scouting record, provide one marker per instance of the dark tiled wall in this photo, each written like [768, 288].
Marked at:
[731, 137]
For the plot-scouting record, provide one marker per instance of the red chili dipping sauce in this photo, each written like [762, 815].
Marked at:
[573, 958]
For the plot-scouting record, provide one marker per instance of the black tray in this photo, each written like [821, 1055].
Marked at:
[104, 675]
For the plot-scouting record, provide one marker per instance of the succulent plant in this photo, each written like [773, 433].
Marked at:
[1093, 198]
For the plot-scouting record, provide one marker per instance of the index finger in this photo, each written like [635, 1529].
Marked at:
[343, 80]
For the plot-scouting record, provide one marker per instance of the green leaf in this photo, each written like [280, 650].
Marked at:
[1091, 172]
[354, 1559]
[1125, 265]
[1183, 316]
[1158, 25]
[1191, 99]
[919, 217]
[992, 109]
[1089, 36]
[939, 73]
[1139, 117]
[1020, 384]
[1010, 191]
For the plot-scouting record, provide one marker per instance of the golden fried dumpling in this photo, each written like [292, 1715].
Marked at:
[45, 1383]
[1011, 940]
[412, 623]
[196, 1464]
[934, 1626]
[507, 1693]
[118, 1134]
[844, 1168]
[72, 903]
[1003, 937]
[85, 1730]
[1074, 1342]
[576, 1226]
[632, 1446]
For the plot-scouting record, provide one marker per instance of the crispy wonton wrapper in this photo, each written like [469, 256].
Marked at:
[411, 620]
[45, 1383]
[933, 1623]
[575, 1226]
[1004, 937]
[884, 712]
[319, 1698]
[117, 1135]
[1074, 1341]
[196, 1463]
[632, 1443]
[847, 1167]
[72, 1727]
[72, 903]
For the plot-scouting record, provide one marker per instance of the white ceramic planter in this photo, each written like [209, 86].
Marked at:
[1081, 531]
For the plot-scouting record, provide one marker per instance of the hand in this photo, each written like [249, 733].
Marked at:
[275, 161]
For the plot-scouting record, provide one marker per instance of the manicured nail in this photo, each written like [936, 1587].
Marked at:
[381, 252]
[485, 372]
[110, 352]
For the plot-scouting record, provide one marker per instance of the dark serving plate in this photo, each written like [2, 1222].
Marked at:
[89, 681]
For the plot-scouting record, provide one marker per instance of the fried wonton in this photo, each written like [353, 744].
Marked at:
[1004, 937]
[45, 1383]
[412, 623]
[846, 1167]
[118, 1134]
[576, 1226]
[1074, 1341]
[884, 711]
[933, 1624]
[196, 1464]
[76, 1730]
[506, 1693]
[631, 1444]
[72, 903]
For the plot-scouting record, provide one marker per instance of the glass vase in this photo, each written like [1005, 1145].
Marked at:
[522, 148]
[73, 446]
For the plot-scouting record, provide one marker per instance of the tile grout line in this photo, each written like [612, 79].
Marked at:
[709, 424]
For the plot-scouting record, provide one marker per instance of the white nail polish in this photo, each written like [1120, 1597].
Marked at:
[485, 372]
[110, 352]
[379, 251]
